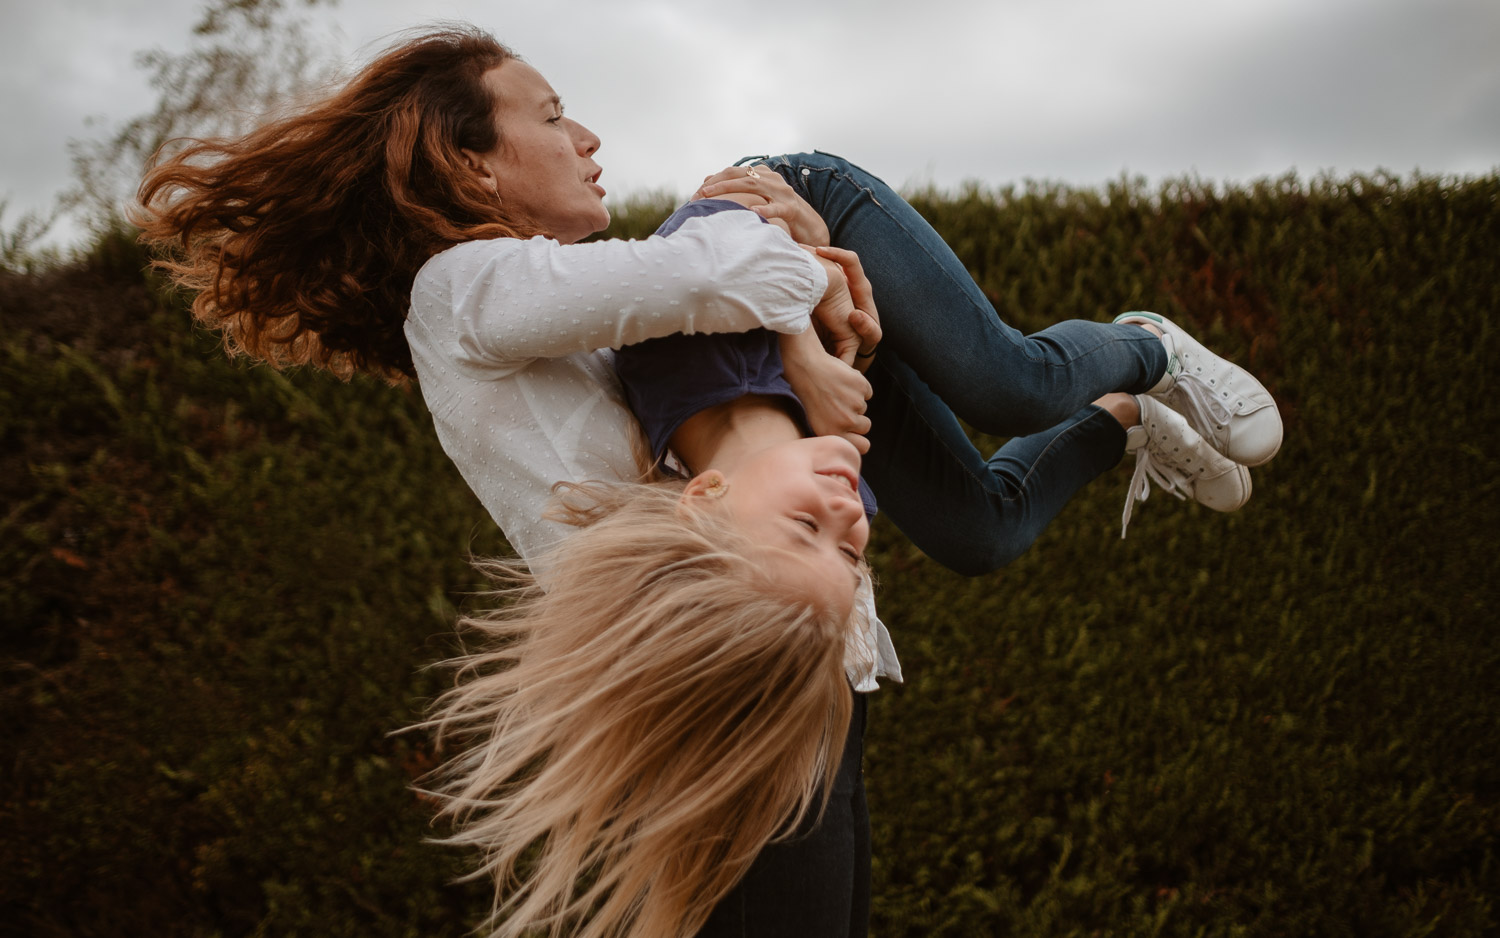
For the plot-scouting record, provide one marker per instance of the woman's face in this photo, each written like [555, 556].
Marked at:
[799, 502]
[543, 168]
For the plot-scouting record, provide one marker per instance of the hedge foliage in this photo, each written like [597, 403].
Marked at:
[219, 585]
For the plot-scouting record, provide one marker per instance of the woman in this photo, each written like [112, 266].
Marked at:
[448, 156]
[302, 241]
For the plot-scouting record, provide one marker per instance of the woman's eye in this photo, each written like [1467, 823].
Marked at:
[851, 553]
[809, 523]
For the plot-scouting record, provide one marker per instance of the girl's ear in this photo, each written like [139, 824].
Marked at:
[710, 484]
[475, 163]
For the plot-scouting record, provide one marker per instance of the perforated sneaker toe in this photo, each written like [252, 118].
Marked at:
[1224, 402]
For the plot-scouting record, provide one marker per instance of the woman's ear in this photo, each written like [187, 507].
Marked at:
[475, 162]
[710, 484]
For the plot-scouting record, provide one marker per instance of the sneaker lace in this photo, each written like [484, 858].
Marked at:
[1205, 405]
[1149, 469]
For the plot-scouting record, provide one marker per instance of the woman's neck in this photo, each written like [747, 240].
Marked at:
[721, 436]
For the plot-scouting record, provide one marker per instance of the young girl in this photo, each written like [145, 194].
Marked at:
[971, 513]
[788, 516]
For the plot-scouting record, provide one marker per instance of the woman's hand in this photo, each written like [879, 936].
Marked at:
[779, 202]
[846, 317]
[832, 393]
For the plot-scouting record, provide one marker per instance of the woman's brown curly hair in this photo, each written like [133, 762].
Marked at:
[301, 239]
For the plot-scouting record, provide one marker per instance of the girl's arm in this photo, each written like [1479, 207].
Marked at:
[515, 300]
[832, 393]
[832, 388]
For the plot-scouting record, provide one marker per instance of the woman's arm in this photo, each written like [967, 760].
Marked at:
[515, 300]
[846, 317]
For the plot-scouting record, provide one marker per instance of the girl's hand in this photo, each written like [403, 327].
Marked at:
[778, 202]
[846, 317]
[832, 393]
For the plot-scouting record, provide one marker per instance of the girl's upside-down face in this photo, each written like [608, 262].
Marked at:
[799, 503]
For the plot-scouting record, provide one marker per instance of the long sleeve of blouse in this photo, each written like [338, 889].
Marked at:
[511, 343]
[514, 300]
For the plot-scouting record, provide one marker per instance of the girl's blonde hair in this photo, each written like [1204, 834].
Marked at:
[635, 733]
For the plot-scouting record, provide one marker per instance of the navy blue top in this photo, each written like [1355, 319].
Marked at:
[670, 379]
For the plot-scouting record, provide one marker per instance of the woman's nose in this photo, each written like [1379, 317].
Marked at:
[584, 140]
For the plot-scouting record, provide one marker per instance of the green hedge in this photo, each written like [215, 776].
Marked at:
[219, 585]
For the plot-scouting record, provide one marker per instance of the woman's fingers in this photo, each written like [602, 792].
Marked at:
[775, 211]
[784, 203]
[729, 173]
[867, 327]
[759, 180]
[859, 284]
[777, 215]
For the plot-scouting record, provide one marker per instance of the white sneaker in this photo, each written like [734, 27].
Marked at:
[1169, 452]
[1223, 401]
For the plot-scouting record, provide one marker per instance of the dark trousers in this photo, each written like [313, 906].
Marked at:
[816, 884]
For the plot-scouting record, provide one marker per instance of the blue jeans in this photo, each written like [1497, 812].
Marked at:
[947, 354]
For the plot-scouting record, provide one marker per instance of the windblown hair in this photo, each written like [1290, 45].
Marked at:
[637, 732]
[302, 238]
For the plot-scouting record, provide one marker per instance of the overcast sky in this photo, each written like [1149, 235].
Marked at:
[917, 91]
